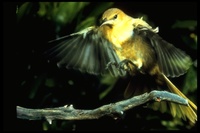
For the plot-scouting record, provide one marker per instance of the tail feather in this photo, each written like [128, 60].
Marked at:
[137, 86]
[181, 110]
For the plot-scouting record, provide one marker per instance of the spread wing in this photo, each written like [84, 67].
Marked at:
[172, 61]
[87, 51]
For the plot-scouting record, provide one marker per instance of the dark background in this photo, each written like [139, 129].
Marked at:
[29, 81]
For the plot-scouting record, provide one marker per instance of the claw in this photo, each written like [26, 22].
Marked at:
[110, 64]
[125, 65]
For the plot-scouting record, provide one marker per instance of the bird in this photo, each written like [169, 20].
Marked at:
[123, 45]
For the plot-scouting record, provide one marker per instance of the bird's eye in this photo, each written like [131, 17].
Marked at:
[115, 16]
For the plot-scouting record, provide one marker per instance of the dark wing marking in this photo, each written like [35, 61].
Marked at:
[172, 61]
[88, 52]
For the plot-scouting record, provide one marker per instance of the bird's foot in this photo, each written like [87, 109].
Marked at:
[110, 64]
[126, 65]
[123, 65]
[130, 66]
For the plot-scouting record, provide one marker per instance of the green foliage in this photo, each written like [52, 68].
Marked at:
[86, 23]
[189, 85]
[190, 25]
[23, 10]
[186, 24]
[38, 80]
[110, 82]
[190, 82]
[60, 12]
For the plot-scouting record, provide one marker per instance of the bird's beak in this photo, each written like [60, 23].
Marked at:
[107, 22]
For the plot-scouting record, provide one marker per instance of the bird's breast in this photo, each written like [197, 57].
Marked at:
[139, 52]
[129, 45]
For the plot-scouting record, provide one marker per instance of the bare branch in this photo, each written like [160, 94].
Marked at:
[114, 109]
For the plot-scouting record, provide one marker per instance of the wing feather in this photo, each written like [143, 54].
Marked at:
[172, 61]
[85, 51]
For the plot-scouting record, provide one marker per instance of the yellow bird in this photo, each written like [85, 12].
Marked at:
[125, 45]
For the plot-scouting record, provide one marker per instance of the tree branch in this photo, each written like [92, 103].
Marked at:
[67, 112]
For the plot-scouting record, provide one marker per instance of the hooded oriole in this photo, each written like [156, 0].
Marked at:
[125, 45]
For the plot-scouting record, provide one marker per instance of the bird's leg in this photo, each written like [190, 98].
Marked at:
[111, 63]
[121, 65]
[126, 65]
[131, 67]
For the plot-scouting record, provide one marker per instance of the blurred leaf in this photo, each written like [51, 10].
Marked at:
[186, 24]
[172, 125]
[190, 40]
[59, 126]
[92, 17]
[195, 63]
[190, 84]
[107, 80]
[60, 12]
[36, 84]
[194, 37]
[90, 21]
[45, 126]
[23, 10]
[101, 8]
[67, 11]
[50, 82]
[43, 6]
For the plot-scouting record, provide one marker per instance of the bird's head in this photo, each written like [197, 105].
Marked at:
[112, 17]
[115, 17]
